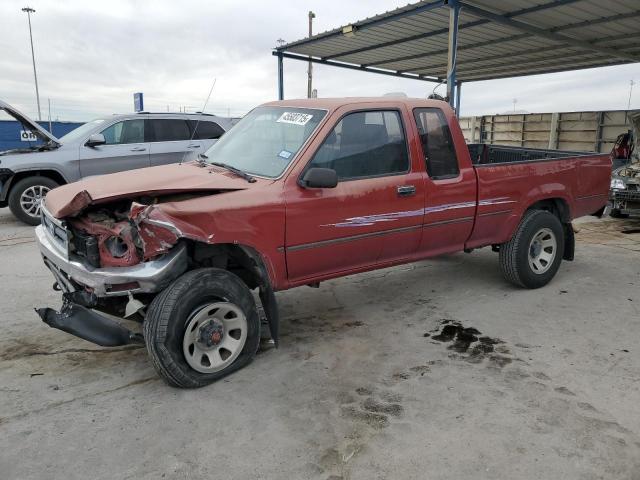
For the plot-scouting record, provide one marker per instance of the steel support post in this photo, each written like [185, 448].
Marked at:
[280, 77]
[454, 15]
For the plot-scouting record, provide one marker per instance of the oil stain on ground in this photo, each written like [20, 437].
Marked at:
[470, 344]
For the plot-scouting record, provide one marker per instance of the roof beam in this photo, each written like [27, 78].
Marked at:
[586, 23]
[372, 22]
[528, 73]
[520, 53]
[350, 66]
[551, 61]
[541, 32]
[442, 31]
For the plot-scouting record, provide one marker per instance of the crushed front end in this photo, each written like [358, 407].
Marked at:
[625, 190]
[108, 261]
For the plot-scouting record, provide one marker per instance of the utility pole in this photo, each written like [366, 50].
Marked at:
[310, 70]
[29, 11]
[50, 129]
[631, 84]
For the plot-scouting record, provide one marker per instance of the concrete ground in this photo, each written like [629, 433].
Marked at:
[378, 376]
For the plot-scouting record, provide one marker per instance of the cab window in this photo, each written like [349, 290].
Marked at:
[365, 144]
[128, 131]
[437, 144]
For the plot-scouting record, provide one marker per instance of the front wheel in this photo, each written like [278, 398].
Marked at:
[202, 327]
[533, 255]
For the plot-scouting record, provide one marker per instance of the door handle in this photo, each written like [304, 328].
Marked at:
[138, 149]
[194, 145]
[406, 190]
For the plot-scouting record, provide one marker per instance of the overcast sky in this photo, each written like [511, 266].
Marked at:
[92, 55]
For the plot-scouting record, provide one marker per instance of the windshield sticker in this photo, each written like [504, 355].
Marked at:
[284, 154]
[295, 118]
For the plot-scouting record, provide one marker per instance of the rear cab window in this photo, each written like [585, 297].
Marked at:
[365, 144]
[437, 144]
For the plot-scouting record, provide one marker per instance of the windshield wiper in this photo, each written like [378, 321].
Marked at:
[48, 146]
[235, 170]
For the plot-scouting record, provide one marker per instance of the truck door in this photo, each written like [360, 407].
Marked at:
[125, 149]
[374, 214]
[450, 183]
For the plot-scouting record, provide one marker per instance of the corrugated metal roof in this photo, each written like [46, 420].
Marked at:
[495, 39]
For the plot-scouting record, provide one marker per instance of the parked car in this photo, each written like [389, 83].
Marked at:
[105, 145]
[299, 192]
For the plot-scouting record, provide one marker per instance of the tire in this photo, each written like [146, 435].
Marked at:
[35, 188]
[525, 260]
[193, 300]
[615, 213]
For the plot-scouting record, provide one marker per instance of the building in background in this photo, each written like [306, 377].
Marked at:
[13, 135]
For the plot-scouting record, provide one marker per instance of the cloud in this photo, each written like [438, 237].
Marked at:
[92, 56]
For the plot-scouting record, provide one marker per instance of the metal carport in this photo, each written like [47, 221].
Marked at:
[456, 41]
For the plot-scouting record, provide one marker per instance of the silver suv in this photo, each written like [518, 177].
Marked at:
[105, 145]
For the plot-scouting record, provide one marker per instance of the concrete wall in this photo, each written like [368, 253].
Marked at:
[580, 131]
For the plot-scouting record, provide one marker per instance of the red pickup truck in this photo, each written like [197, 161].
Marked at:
[298, 192]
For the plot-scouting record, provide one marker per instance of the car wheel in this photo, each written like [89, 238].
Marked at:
[26, 197]
[533, 255]
[615, 213]
[204, 326]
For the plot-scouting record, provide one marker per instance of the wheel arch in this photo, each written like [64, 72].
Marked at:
[53, 174]
[556, 205]
[248, 264]
[560, 208]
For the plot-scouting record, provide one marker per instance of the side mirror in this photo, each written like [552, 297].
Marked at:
[95, 140]
[320, 178]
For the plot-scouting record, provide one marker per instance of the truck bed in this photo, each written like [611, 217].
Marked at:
[483, 154]
[511, 179]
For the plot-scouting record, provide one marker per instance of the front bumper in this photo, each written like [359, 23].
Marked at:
[89, 325]
[626, 201]
[147, 277]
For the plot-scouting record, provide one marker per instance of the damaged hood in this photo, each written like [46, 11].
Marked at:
[71, 199]
[37, 130]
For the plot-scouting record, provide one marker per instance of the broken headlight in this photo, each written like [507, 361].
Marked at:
[617, 184]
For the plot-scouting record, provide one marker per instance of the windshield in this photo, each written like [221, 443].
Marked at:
[81, 131]
[266, 140]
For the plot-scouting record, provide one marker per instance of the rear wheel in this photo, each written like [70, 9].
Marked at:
[26, 197]
[533, 255]
[202, 327]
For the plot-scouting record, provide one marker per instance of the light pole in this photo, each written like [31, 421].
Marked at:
[29, 11]
[310, 70]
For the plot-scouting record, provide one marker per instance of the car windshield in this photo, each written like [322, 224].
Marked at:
[80, 132]
[266, 140]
